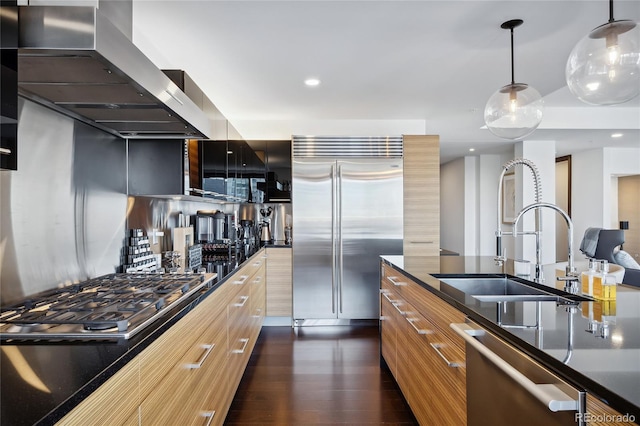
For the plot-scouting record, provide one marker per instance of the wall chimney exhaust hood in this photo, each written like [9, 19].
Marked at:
[76, 61]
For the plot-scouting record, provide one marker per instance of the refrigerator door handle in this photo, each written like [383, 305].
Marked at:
[332, 176]
[340, 257]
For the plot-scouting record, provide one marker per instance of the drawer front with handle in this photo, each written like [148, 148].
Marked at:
[177, 398]
[212, 383]
[507, 387]
[439, 312]
[168, 351]
[202, 345]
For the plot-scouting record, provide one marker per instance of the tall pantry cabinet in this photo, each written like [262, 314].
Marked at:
[421, 169]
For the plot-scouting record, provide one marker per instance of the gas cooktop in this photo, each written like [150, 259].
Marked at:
[112, 306]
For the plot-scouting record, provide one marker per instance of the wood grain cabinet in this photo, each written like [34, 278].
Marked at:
[175, 367]
[115, 402]
[389, 331]
[189, 375]
[245, 316]
[421, 183]
[600, 414]
[428, 358]
[279, 282]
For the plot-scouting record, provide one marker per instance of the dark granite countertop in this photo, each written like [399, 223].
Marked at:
[278, 244]
[608, 368]
[40, 381]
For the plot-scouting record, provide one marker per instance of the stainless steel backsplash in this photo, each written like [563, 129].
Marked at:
[161, 214]
[65, 212]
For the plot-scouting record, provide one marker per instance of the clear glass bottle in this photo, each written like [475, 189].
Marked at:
[587, 277]
[609, 285]
[604, 283]
[598, 278]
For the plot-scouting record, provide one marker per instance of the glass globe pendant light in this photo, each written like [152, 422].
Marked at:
[515, 110]
[604, 67]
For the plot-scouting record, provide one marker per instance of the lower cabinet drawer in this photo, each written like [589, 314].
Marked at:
[389, 321]
[240, 328]
[218, 397]
[178, 398]
[437, 311]
[431, 373]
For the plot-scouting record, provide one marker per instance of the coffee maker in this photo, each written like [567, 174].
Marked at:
[265, 231]
[248, 236]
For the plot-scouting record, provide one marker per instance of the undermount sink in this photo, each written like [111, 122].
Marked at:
[503, 289]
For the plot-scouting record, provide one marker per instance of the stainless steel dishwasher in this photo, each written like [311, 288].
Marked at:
[506, 387]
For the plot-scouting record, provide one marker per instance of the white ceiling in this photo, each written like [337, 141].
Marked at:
[425, 64]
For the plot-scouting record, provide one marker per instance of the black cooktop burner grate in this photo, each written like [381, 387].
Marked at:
[104, 303]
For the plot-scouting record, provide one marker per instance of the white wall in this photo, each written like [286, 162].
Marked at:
[594, 193]
[469, 188]
[488, 174]
[469, 223]
[452, 205]
[617, 162]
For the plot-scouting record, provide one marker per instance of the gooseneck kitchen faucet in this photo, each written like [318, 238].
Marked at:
[570, 277]
[538, 194]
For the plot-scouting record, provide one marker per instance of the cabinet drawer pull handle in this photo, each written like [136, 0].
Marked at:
[242, 279]
[550, 394]
[393, 302]
[394, 281]
[245, 342]
[209, 415]
[198, 364]
[386, 296]
[244, 301]
[418, 330]
[395, 305]
[436, 347]
[258, 279]
[257, 264]
[258, 313]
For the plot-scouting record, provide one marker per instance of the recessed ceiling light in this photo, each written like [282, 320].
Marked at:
[617, 135]
[472, 149]
[312, 82]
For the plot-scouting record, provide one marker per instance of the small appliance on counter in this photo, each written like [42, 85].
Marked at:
[249, 237]
[217, 234]
[265, 231]
[205, 225]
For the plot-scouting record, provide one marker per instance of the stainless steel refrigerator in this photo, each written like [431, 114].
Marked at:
[346, 213]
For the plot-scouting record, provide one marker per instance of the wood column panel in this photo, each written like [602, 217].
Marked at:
[279, 282]
[421, 169]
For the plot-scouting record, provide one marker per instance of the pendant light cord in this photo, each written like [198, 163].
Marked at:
[513, 80]
[610, 11]
[510, 25]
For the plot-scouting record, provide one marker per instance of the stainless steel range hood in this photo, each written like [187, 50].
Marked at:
[75, 60]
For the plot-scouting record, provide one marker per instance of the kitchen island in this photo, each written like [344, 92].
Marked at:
[604, 364]
[42, 381]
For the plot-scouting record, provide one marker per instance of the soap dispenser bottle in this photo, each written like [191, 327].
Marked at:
[587, 278]
[609, 285]
[598, 278]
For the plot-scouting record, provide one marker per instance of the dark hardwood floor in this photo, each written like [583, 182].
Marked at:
[318, 376]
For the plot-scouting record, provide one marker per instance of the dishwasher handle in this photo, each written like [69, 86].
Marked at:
[549, 394]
